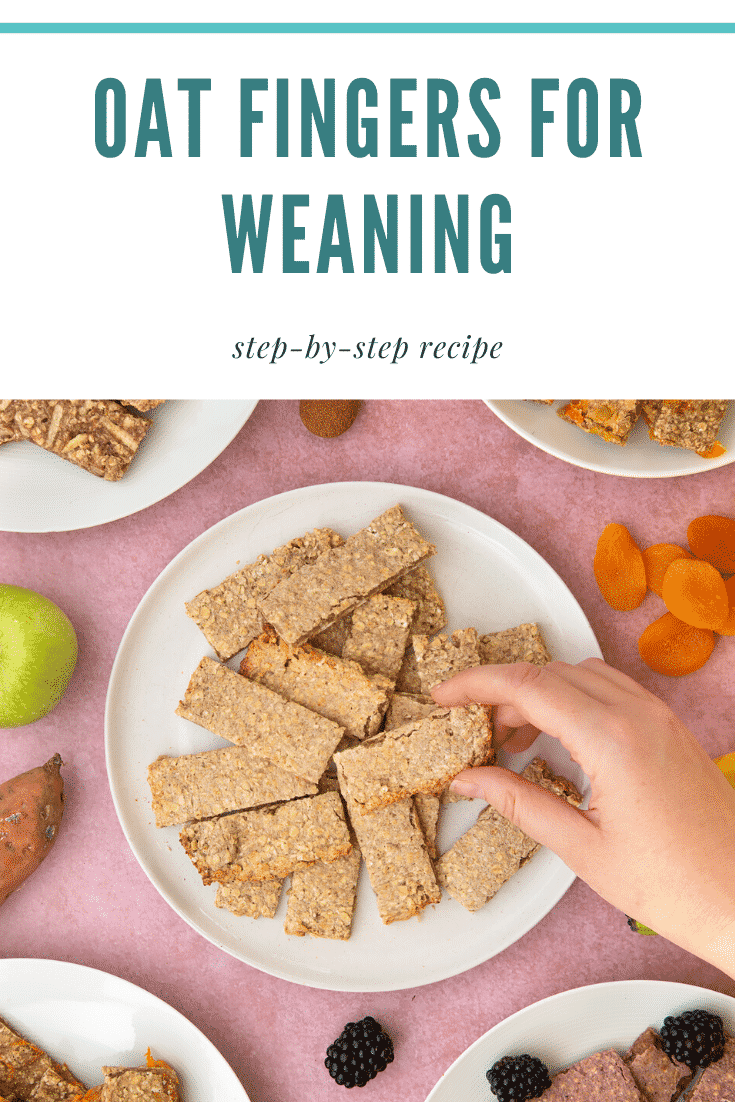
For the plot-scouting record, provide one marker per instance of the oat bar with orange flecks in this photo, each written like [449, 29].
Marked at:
[493, 850]
[214, 782]
[379, 630]
[28, 1071]
[523, 643]
[687, 424]
[439, 658]
[269, 843]
[153, 1082]
[228, 614]
[251, 899]
[334, 688]
[316, 595]
[252, 715]
[423, 756]
[397, 858]
[611, 419]
[98, 435]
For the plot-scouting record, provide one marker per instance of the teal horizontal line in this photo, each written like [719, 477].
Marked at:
[367, 28]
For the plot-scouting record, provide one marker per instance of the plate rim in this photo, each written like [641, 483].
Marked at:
[600, 988]
[39, 527]
[99, 975]
[600, 468]
[398, 491]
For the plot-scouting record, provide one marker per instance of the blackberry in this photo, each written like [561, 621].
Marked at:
[359, 1053]
[695, 1037]
[515, 1078]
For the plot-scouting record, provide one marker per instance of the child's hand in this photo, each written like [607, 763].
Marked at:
[658, 839]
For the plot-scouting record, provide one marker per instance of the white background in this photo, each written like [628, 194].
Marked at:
[119, 267]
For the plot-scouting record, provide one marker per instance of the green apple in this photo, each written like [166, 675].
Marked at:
[38, 652]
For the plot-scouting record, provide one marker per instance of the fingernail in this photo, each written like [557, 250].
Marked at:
[465, 788]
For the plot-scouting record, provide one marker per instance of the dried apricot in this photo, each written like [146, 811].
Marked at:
[728, 628]
[619, 568]
[674, 648]
[658, 559]
[712, 538]
[695, 593]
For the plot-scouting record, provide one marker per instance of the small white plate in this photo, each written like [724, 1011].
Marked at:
[86, 1018]
[39, 492]
[640, 458]
[489, 578]
[567, 1027]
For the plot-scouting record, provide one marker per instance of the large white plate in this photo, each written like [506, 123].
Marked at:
[488, 577]
[86, 1018]
[39, 492]
[640, 458]
[567, 1027]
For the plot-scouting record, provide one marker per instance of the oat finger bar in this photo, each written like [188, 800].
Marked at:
[418, 585]
[142, 404]
[427, 809]
[419, 757]
[264, 722]
[252, 898]
[717, 1082]
[213, 782]
[602, 1077]
[523, 643]
[97, 435]
[493, 850]
[315, 596]
[441, 657]
[397, 859]
[379, 630]
[321, 899]
[659, 1077]
[269, 843]
[334, 688]
[228, 614]
[407, 707]
[481, 861]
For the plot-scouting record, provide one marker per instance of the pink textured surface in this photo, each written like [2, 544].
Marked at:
[91, 903]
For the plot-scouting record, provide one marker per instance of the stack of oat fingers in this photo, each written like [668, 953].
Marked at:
[335, 753]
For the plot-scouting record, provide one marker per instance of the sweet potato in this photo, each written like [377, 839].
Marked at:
[31, 806]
